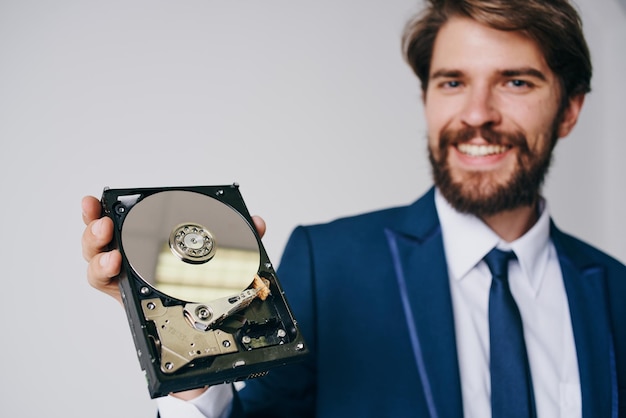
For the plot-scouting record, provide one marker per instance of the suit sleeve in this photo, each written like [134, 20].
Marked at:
[288, 391]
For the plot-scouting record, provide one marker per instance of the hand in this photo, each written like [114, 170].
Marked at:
[104, 266]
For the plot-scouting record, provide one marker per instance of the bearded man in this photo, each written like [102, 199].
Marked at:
[403, 309]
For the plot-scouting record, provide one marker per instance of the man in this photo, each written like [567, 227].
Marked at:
[396, 305]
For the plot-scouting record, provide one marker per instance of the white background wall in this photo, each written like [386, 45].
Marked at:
[308, 106]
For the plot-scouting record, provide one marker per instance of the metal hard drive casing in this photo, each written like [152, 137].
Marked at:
[202, 298]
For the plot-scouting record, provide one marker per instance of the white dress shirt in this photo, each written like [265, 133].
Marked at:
[214, 403]
[537, 286]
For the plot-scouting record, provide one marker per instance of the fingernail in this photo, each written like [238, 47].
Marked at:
[96, 228]
[104, 260]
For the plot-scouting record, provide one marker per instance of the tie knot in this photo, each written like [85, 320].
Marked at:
[498, 262]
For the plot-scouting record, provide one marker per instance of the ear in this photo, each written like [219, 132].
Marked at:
[570, 115]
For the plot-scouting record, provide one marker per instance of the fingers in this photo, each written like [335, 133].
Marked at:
[259, 224]
[91, 209]
[96, 236]
[189, 394]
[103, 266]
[102, 271]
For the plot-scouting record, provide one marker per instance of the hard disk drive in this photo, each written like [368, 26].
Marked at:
[202, 298]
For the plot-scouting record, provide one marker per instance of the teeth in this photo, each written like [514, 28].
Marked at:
[481, 150]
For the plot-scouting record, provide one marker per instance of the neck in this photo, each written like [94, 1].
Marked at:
[512, 224]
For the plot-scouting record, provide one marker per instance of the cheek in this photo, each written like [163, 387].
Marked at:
[537, 122]
[539, 133]
[438, 117]
[540, 144]
[442, 110]
[433, 140]
[539, 119]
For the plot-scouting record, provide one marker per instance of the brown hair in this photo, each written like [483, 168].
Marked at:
[554, 25]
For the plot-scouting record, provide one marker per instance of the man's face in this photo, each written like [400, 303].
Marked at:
[492, 108]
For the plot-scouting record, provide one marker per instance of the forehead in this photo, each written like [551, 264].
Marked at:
[466, 45]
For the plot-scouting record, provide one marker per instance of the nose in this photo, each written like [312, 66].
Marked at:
[480, 107]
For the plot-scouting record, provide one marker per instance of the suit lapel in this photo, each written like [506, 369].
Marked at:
[417, 251]
[586, 288]
[422, 278]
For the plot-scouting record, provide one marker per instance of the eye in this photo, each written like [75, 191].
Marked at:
[451, 84]
[517, 83]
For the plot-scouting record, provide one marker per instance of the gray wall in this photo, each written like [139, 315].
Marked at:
[308, 106]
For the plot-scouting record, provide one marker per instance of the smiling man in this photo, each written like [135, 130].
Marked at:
[407, 311]
[493, 121]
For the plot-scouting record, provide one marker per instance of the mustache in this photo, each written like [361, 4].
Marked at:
[454, 137]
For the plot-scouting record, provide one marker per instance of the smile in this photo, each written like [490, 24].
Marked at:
[482, 150]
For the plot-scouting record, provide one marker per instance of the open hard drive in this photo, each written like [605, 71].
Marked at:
[202, 298]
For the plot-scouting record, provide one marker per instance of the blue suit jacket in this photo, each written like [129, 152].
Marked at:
[372, 298]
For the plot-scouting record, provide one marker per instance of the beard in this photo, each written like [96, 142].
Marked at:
[484, 193]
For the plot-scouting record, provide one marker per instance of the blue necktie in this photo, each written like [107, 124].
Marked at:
[511, 384]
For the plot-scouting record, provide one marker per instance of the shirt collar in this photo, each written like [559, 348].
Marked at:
[467, 239]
